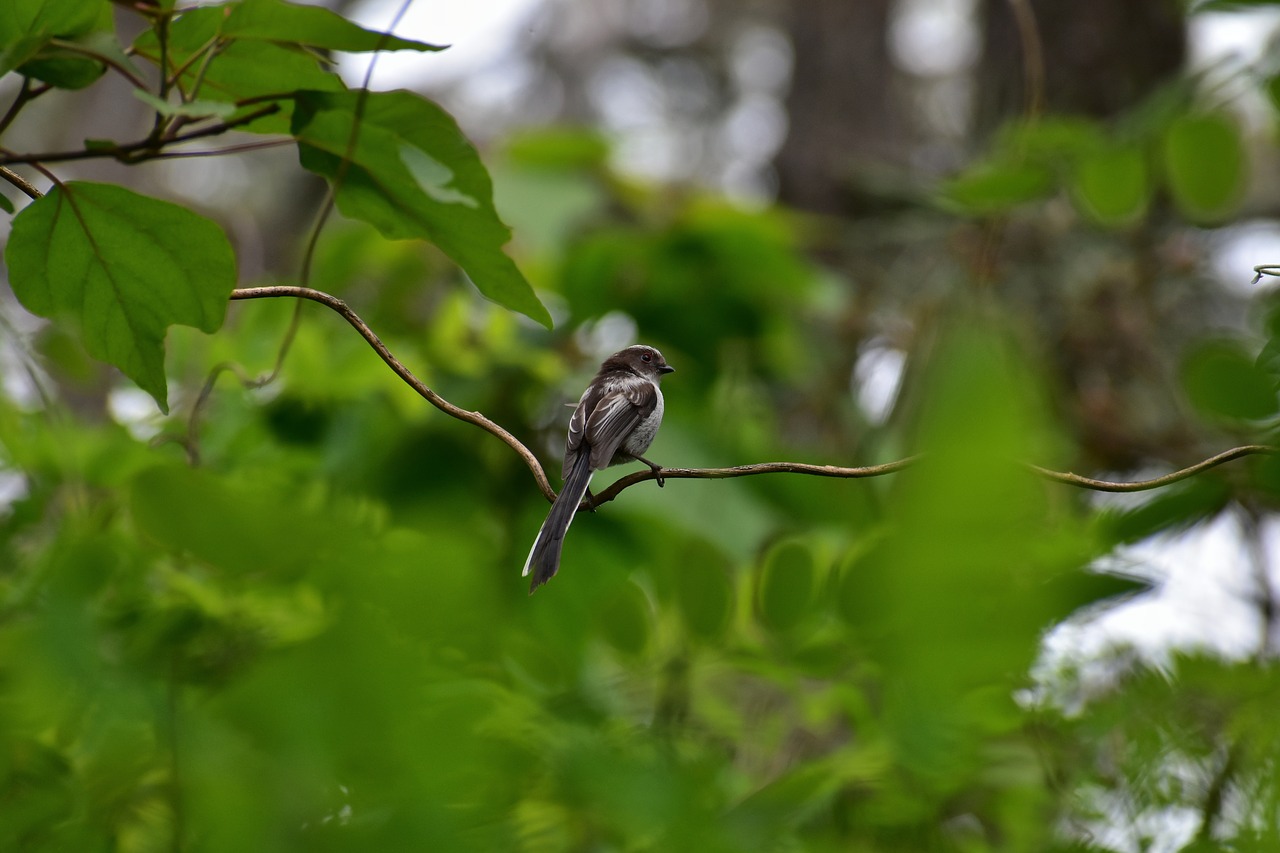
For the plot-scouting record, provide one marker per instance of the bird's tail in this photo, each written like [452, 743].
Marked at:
[544, 556]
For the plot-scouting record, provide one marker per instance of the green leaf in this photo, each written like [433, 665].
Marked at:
[788, 582]
[240, 527]
[1222, 380]
[997, 187]
[312, 26]
[1112, 185]
[121, 268]
[624, 620]
[412, 174]
[703, 590]
[28, 26]
[48, 19]
[5, 204]
[194, 109]
[1204, 161]
[240, 69]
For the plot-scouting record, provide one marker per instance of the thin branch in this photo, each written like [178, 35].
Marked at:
[1156, 482]
[124, 70]
[622, 483]
[20, 182]
[25, 95]
[221, 152]
[1211, 811]
[748, 471]
[1032, 57]
[403, 372]
[134, 152]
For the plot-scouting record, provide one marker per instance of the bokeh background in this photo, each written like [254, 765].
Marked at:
[995, 232]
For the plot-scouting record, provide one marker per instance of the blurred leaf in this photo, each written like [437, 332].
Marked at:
[312, 26]
[412, 174]
[558, 148]
[996, 188]
[1222, 380]
[786, 586]
[624, 620]
[239, 529]
[1053, 139]
[1205, 165]
[122, 268]
[1112, 185]
[1167, 511]
[6, 204]
[704, 590]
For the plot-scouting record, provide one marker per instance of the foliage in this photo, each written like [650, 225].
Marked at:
[317, 639]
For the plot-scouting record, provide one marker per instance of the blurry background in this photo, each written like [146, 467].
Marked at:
[1001, 232]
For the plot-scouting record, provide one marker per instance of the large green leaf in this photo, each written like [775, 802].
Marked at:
[121, 268]
[412, 174]
[309, 26]
[28, 26]
[239, 69]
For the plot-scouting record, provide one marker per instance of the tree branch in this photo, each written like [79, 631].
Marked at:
[622, 483]
[748, 471]
[20, 182]
[134, 152]
[1156, 482]
[403, 372]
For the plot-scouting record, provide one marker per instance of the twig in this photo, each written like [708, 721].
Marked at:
[1156, 482]
[127, 152]
[1215, 795]
[124, 70]
[751, 470]
[1032, 57]
[25, 95]
[20, 182]
[403, 372]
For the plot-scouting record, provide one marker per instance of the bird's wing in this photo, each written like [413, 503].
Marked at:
[614, 416]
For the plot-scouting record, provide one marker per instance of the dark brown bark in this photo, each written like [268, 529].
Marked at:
[843, 110]
[1100, 57]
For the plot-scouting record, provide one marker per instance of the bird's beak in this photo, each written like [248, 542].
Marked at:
[666, 368]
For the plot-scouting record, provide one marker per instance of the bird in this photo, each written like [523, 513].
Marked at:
[615, 421]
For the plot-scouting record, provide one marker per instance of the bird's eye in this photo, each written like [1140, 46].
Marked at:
[646, 358]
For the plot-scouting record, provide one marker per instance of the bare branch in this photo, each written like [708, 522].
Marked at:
[134, 152]
[748, 471]
[403, 372]
[20, 182]
[1156, 482]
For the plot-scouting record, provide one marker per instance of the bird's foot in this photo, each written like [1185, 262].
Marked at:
[656, 470]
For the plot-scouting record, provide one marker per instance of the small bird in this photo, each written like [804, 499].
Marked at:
[614, 422]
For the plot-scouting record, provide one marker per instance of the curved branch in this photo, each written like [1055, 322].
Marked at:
[403, 372]
[747, 471]
[625, 482]
[1156, 482]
